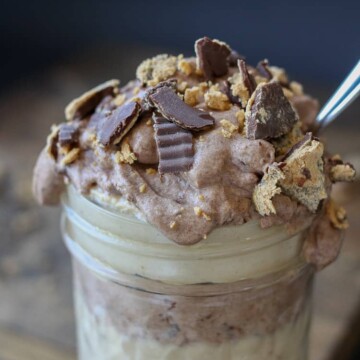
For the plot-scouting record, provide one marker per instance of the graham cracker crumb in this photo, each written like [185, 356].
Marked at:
[182, 86]
[288, 93]
[201, 197]
[206, 216]
[159, 68]
[151, 171]
[193, 95]
[267, 189]
[260, 79]
[216, 100]
[228, 128]
[71, 156]
[125, 155]
[337, 215]
[296, 88]
[142, 188]
[279, 74]
[136, 90]
[240, 116]
[119, 100]
[149, 122]
[199, 212]
[203, 86]
[304, 174]
[186, 67]
[172, 225]
[342, 172]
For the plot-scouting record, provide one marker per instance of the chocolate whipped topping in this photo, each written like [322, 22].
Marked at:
[226, 166]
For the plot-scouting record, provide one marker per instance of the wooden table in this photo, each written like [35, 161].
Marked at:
[36, 317]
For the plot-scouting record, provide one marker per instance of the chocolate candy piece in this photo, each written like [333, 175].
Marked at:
[226, 88]
[234, 57]
[69, 135]
[305, 140]
[117, 124]
[263, 68]
[269, 113]
[174, 144]
[86, 103]
[168, 103]
[248, 80]
[212, 57]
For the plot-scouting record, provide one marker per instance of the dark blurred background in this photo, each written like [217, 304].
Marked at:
[52, 51]
[315, 40]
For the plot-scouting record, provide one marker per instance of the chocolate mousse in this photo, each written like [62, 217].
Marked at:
[199, 143]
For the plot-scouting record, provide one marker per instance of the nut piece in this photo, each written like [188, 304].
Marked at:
[216, 100]
[267, 189]
[228, 128]
[304, 173]
[157, 69]
[87, 102]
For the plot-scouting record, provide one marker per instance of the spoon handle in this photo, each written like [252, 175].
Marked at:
[345, 94]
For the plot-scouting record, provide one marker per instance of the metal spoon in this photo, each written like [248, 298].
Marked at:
[345, 94]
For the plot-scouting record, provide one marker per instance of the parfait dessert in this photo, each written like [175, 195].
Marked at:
[197, 208]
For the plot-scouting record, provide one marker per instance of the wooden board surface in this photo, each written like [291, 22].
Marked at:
[36, 317]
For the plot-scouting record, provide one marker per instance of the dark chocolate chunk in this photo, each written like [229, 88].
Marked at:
[269, 113]
[248, 79]
[308, 137]
[117, 124]
[85, 104]
[263, 69]
[212, 57]
[104, 108]
[169, 104]
[174, 144]
[89, 106]
[234, 57]
[226, 88]
[69, 135]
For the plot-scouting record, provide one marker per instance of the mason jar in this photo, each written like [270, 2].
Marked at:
[242, 293]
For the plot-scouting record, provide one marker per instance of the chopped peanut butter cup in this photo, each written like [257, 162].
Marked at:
[115, 126]
[269, 113]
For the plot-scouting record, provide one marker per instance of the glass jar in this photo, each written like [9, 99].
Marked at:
[243, 293]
